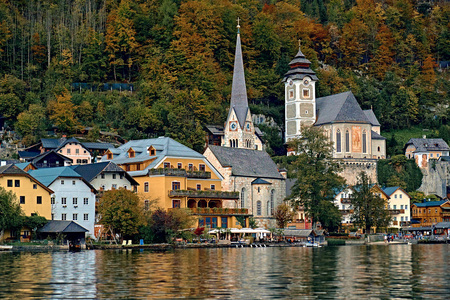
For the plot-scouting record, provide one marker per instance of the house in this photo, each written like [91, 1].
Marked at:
[105, 176]
[33, 196]
[429, 213]
[423, 150]
[355, 133]
[301, 219]
[78, 152]
[71, 231]
[239, 130]
[50, 159]
[73, 197]
[399, 205]
[176, 176]
[254, 175]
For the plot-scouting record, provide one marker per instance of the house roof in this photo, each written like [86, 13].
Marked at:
[370, 115]
[48, 175]
[90, 171]
[22, 166]
[56, 226]
[97, 146]
[443, 225]
[51, 143]
[430, 203]
[390, 190]
[11, 169]
[376, 136]
[337, 108]
[444, 158]
[215, 129]
[260, 181]
[245, 162]
[239, 102]
[424, 145]
[28, 154]
[45, 154]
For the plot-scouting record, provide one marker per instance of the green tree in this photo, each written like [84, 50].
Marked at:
[370, 210]
[121, 210]
[283, 215]
[34, 223]
[11, 213]
[31, 123]
[316, 174]
[164, 225]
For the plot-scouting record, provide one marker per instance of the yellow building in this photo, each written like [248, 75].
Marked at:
[33, 196]
[176, 176]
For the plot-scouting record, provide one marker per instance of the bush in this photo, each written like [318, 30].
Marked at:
[336, 242]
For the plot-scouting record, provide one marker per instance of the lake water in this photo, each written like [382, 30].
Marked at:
[346, 272]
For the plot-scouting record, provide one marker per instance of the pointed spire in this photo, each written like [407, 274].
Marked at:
[299, 53]
[239, 100]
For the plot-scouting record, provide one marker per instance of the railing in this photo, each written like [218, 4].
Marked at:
[180, 173]
[445, 214]
[204, 194]
[346, 211]
[396, 211]
[219, 211]
[394, 222]
[346, 200]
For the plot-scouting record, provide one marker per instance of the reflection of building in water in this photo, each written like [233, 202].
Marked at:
[74, 274]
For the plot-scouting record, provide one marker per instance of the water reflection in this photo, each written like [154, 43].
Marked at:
[350, 272]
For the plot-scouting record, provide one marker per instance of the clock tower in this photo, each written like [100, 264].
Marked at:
[300, 96]
[239, 130]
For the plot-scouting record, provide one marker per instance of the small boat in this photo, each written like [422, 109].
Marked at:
[5, 248]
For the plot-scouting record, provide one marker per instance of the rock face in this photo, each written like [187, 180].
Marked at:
[436, 178]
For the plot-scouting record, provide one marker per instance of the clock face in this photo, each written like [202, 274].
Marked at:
[248, 126]
[306, 81]
[233, 125]
[291, 83]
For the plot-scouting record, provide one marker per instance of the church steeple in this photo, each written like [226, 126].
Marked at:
[239, 100]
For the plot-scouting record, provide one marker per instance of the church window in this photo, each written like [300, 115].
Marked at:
[243, 198]
[306, 93]
[291, 94]
[379, 149]
[347, 141]
[364, 140]
[258, 208]
[338, 141]
[272, 201]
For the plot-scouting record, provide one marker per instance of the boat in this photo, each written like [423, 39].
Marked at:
[5, 248]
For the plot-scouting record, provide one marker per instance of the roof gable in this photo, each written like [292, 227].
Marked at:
[424, 145]
[56, 226]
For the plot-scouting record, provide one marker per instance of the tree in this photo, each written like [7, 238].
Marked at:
[316, 173]
[62, 112]
[370, 210]
[31, 123]
[121, 210]
[34, 223]
[283, 215]
[10, 212]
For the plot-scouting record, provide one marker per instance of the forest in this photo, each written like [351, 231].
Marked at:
[57, 57]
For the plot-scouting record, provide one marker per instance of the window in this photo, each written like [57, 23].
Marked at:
[10, 183]
[114, 176]
[102, 176]
[401, 206]
[431, 154]
[224, 222]
[62, 182]
[243, 198]
[121, 176]
[73, 182]
[435, 210]
[152, 152]
[191, 167]
[39, 200]
[63, 217]
[17, 183]
[199, 187]
[22, 199]
[179, 165]
[364, 141]
[347, 141]
[166, 165]
[395, 206]
[305, 93]
[52, 200]
[53, 216]
[109, 156]
[68, 151]
[35, 186]
[272, 201]
[114, 186]
[75, 217]
[395, 218]
[259, 189]
[146, 187]
[395, 196]
[176, 203]
[258, 208]
[86, 217]
[75, 201]
[146, 204]
[379, 149]
[63, 200]
[400, 196]
[213, 187]
[176, 185]
[401, 219]
[201, 167]
[86, 201]
[338, 141]
[77, 151]
[406, 206]
[406, 218]
[291, 94]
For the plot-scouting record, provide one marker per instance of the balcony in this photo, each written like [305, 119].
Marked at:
[204, 194]
[445, 214]
[219, 211]
[180, 173]
[396, 211]
[346, 200]
[346, 211]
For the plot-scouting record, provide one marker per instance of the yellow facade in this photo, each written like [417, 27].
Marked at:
[34, 198]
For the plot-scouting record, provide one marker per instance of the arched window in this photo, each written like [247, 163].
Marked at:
[347, 141]
[243, 198]
[258, 208]
[231, 145]
[338, 141]
[272, 201]
[364, 141]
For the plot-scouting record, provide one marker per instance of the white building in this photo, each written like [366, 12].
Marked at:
[73, 198]
[399, 205]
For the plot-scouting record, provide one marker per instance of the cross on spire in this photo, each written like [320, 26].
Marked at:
[238, 26]
[299, 43]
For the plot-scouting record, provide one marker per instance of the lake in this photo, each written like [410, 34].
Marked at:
[345, 272]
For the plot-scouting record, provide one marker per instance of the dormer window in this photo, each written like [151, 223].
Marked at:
[152, 151]
[131, 153]
[109, 155]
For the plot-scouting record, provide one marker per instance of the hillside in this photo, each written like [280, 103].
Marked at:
[61, 62]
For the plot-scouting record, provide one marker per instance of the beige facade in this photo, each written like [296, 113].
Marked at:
[76, 152]
[237, 137]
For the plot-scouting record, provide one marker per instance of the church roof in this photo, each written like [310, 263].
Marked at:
[370, 115]
[376, 136]
[246, 162]
[300, 68]
[260, 181]
[239, 100]
[337, 108]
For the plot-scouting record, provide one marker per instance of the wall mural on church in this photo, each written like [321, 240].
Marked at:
[356, 139]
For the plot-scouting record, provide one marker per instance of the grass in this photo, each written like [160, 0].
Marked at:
[403, 135]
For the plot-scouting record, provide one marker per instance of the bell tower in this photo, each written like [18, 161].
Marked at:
[300, 95]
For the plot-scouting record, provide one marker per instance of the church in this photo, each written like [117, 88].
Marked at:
[236, 151]
[355, 133]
